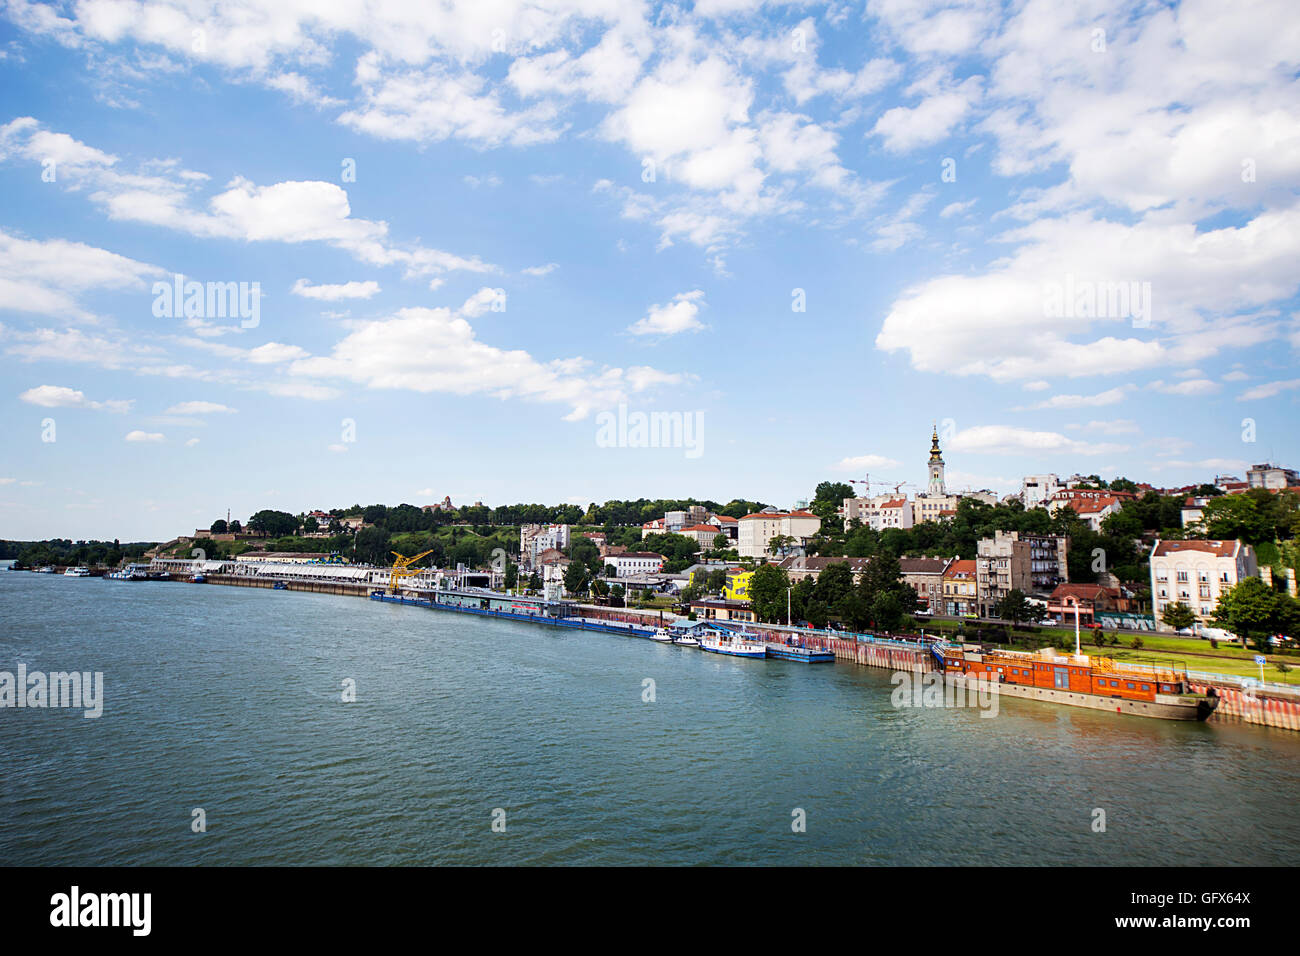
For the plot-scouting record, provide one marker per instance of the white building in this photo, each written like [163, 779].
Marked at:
[702, 534]
[1271, 476]
[1196, 572]
[635, 562]
[758, 530]
[1035, 490]
[878, 513]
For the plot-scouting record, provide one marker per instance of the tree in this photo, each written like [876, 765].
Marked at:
[236, 527]
[275, 524]
[512, 575]
[534, 582]
[780, 544]
[371, 546]
[575, 578]
[828, 498]
[721, 542]
[616, 595]
[767, 592]
[1016, 608]
[218, 526]
[1254, 611]
[1178, 616]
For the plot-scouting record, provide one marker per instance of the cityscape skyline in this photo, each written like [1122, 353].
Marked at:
[443, 247]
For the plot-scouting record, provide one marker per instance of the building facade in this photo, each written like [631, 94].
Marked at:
[758, 530]
[635, 562]
[1030, 563]
[1196, 572]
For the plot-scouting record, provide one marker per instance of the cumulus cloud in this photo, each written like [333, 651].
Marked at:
[679, 315]
[60, 396]
[333, 293]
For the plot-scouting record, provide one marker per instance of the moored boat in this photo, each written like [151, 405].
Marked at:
[77, 572]
[1078, 680]
[685, 640]
[662, 635]
[734, 645]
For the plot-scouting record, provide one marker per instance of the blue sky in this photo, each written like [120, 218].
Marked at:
[927, 173]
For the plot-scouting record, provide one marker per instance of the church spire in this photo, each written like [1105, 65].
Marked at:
[935, 466]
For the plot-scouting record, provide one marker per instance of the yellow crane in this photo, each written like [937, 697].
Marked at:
[402, 569]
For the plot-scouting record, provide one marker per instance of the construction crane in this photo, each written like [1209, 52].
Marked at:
[866, 483]
[402, 569]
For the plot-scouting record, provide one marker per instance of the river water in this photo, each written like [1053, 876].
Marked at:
[230, 700]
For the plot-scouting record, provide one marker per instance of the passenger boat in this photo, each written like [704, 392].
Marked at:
[279, 586]
[662, 635]
[1099, 683]
[722, 642]
[132, 572]
[77, 572]
[796, 652]
[685, 640]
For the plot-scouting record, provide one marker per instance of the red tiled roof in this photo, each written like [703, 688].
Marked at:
[1221, 549]
[703, 527]
[960, 567]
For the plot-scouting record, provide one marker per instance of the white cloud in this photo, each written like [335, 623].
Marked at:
[139, 436]
[1004, 439]
[1111, 396]
[679, 315]
[332, 293]
[541, 270]
[1194, 386]
[274, 352]
[59, 396]
[436, 350]
[862, 462]
[198, 408]
[1268, 390]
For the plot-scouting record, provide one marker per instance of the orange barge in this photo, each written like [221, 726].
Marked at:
[1100, 683]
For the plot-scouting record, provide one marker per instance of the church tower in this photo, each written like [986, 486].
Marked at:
[936, 466]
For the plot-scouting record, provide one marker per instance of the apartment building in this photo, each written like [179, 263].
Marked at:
[925, 575]
[878, 513]
[1031, 563]
[758, 530]
[1196, 572]
[960, 589]
[1271, 476]
[634, 562]
[1036, 490]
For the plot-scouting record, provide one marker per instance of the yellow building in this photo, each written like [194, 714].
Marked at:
[737, 586]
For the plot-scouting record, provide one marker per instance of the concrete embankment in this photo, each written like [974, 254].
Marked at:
[1263, 708]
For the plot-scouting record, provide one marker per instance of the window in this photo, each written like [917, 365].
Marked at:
[1129, 685]
[1146, 686]
[1182, 577]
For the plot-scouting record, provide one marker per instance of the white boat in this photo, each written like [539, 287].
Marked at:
[685, 640]
[77, 573]
[661, 635]
[723, 643]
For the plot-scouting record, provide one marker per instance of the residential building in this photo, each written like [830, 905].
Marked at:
[1095, 510]
[1196, 572]
[702, 534]
[635, 562]
[925, 575]
[1010, 560]
[798, 567]
[737, 586]
[1193, 509]
[878, 513]
[1271, 476]
[536, 538]
[652, 527]
[758, 530]
[1088, 598]
[960, 589]
[726, 524]
[1035, 490]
